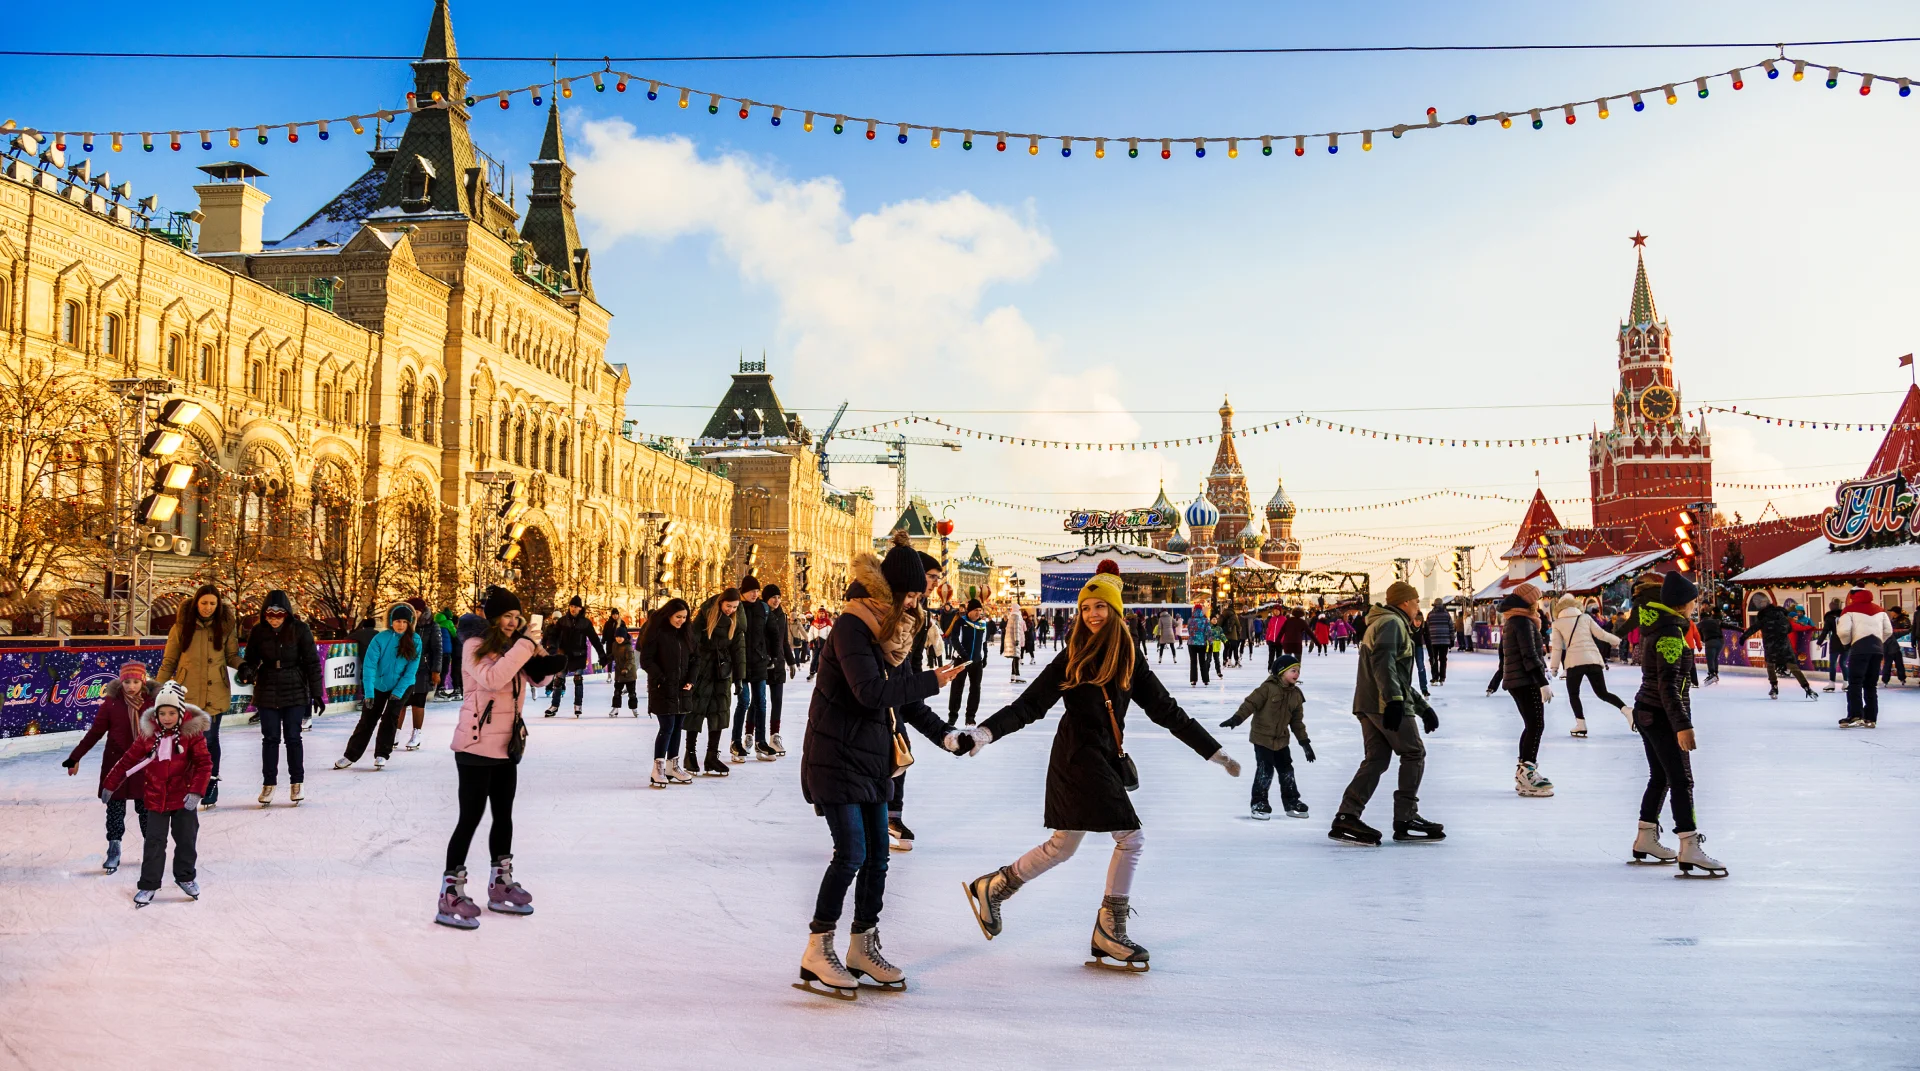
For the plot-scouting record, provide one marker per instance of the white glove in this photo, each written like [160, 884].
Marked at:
[1226, 760]
[982, 736]
[1546, 694]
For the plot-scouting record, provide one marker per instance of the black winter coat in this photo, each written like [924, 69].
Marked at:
[717, 662]
[1776, 634]
[1666, 670]
[847, 754]
[1521, 665]
[779, 646]
[753, 622]
[1083, 788]
[432, 654]
[571, 635]
[667, 656]
[285, 674]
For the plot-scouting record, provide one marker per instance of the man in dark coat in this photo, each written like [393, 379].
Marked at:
[1439, 639]
[1776, 639]
[1391, 713]
[750, 692]
[780, 661]
[570, 635]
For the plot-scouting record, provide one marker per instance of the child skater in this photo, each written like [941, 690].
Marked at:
[118, 720]
[1096, 678]
[1276, 707]
[172, 752]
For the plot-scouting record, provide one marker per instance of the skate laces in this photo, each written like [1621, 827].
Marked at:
[833, 957]
[872, 939]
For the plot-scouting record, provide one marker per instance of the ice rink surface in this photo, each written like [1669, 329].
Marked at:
[669, 924]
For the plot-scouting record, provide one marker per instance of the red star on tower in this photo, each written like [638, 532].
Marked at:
[1639, 240]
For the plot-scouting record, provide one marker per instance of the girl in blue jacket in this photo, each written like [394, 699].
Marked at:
[386, 675]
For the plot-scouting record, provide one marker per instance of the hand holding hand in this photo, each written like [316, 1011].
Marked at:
[946, 674]
[1685, 737]
[1307, 750]
[1227, 761]
[1430, 721]
[1395, 713]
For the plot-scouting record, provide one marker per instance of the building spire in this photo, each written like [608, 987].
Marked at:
[440, 35]
[430, 168]
[1642, 310]
[553, 146]
[549, 226]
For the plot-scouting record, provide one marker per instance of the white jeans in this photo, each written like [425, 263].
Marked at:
[1060, 847]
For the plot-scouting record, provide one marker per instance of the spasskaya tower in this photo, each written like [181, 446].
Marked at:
[1650, 463]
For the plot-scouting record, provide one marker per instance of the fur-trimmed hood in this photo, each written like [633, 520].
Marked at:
[868, 583]
[194, 723]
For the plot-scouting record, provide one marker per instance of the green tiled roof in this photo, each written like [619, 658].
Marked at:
[1643, 311]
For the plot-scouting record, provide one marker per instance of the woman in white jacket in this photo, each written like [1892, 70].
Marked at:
[1013, 638]
[1864, 630]
[1576, 653]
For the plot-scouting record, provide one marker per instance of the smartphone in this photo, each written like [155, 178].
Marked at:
[963, 665]
[535, 623]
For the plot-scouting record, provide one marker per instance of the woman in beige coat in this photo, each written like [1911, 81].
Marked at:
[201, 647]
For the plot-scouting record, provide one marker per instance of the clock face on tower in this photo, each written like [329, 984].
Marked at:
[1657, 403]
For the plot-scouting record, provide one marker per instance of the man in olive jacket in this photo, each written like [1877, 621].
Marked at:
[1391, 712]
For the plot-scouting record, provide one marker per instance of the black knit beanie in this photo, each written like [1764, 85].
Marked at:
[498, 601]
[1676, 590]
[901, 567]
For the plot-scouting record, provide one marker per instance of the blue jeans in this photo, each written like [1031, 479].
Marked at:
[276, 722]
[751, 703]
[859, 859]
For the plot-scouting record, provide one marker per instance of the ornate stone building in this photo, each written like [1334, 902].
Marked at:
[401, 340]
[1280, 549]
[806, 531]
[1227, 487]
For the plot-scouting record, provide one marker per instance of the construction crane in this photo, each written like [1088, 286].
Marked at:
[820, 442]
[895, 458]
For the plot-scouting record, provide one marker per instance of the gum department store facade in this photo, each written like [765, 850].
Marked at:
[432, 338]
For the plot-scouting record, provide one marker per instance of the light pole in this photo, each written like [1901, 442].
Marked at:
[141, 510]
[499, 522]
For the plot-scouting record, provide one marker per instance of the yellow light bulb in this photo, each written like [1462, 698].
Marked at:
[1100, 153]
[1506, 122]
[1603, 111]
[1234, 154]
[935, 142]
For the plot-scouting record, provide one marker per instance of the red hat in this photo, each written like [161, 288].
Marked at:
[134, 669]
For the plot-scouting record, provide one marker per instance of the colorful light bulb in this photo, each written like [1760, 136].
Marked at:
[1099, 148]
[1200, 148]
[234, 135]
[566, 89]
[806, 122]
[86, 142]
[1738, 82]
[1066, 147]
[903, 133]
[260, 134]
[470, 101]
[1833, 77]
[1506, 121]
[1535, 116]
[293, 133]
[504, 102]
[1333, 143]
[146, 142]
[114, 142]
[713, 104]
[869, 130]
[839, 124]
[1603, 107]
[966, 140]
[1300, 144]
[1366, 141]
[683, 97]
[323, 129]
[1905, 88]
[1472, 120]
[1799, 70]
[1866, 84]
[1638, 104]
[206, 140]
[538, 99]
[1433, 117]
[935, 142]
[743, 109]
[1772, 71]
[776, 114]
[1166, 149]
[1133, 148]
[599, 83]
[1700, 87]
[1233, 148]
[1399, 129]
[1000, 142]
[1266, 146]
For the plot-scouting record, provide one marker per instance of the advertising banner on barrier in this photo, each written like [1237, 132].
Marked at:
[55, 689]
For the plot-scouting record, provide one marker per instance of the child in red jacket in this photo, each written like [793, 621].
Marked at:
[117, 720]
[171, 750]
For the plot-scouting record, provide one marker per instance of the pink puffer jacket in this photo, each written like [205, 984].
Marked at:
[496, 688]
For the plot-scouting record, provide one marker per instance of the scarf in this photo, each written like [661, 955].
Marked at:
[873, 613]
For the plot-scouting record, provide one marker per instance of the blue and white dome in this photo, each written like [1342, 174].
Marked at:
[1202, 513]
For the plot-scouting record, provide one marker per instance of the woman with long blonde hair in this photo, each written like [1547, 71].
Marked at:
[719, 659]
[1096, 678]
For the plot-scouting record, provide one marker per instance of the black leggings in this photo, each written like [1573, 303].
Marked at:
[1533, 713]
[1669, 774]
[632, 693]
[666, 742]
[1595, 675]
[482, 787]
[212, 736]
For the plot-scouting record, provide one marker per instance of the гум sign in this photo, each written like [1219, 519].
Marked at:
[1871, 512]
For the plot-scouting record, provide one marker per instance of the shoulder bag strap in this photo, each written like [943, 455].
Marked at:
[1114, 721]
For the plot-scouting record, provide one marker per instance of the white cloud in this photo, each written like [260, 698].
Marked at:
[896, 297]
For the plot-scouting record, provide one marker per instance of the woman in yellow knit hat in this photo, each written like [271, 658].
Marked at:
[1097, 678]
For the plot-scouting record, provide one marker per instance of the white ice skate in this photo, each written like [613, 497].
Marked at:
[865, 961]
[658, 778]
[778, 747]
[413, 741]
[1112, 948]
[821, 971]
[379, 763]
[296, 792]
[1693, 857]
[266, 795]
[1647, 848]
[677, 775]
[1528, 781]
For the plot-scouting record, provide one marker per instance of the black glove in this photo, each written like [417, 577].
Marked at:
[1307, 750]
[1430, 721]
[1228, 724]
[319, 707]
[244, 675]
[1395, 713]
[963, 745]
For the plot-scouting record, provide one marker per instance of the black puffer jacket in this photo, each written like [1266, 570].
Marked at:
[717, 663]
[570, 635]
[283, 664]
[1083, 788]
[1521, 665]
[1666, 670]
[1776, 633]
[432, 652]
[753, 622]
[666, 653]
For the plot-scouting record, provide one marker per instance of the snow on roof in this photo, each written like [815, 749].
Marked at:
[1815, 560]
[1585, 577]
[1144, 558]
[1243, 562]
[744, 452]
[338, 220]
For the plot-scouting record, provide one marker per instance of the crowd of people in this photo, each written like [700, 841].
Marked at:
[720, 668]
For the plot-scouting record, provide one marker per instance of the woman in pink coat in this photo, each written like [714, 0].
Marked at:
[500, 664]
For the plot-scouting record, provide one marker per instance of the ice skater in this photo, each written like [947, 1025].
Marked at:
[386, 675]
[1865, 632]
[1576, 652]
[1524, 674]
[719, 659]
[117, 720]
[288, 689]
[1277, 706]
[432, 653]
[864, 695]
[1387, 705]
[1776, 640]
[666, 653]
[171, 750]
[1090, 773]
[571, 635]
[1663, 710]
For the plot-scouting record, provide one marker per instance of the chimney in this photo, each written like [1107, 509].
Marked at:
[233, 208]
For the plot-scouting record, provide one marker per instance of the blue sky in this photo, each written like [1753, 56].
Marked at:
[1473, 267]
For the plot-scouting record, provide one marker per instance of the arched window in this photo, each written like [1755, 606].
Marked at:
[549, 465]
[110, 335]
[620, 566]
[346, 407]
[326, 400]
[520, 441]
[600, 562]
[173, 354]
[606, 470]
[206, 364]
[430, 414]
[506, 429]
[406, 404]
[6, 307]
[564, 443]
[256, 379]
[476, 321]
[70, 323]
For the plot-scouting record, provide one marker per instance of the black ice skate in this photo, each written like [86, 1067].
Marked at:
[986, 893]
[1350, 829]
[1112, 948]
[1418, 829]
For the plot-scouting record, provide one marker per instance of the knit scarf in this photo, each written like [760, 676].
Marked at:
[873, 613]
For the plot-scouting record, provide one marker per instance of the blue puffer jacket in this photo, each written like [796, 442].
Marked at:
[385, 672]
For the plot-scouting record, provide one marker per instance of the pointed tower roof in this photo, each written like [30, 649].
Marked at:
[1539, 519]
[1900, 450]
[750, 405]
[1641, 310]
[549, 227]
[1226, 461]
[1280, 505]
[429, 169]
[440, 35]
[1161, 503]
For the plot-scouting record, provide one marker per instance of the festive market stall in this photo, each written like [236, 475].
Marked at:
[1149, 579]
[1867, 540]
